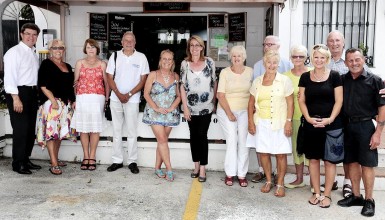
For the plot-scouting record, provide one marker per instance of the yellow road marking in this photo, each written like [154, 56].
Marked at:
[193, 202]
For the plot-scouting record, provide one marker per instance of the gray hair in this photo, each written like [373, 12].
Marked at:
[336, 32]
[239, 49]
[298, 49]
[275, 38]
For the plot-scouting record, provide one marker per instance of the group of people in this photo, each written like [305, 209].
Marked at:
[337, 98]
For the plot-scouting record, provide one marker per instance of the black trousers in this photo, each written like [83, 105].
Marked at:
[199, 144]
[23, 124]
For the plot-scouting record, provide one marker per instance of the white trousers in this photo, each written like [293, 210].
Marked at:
[237, 153]
[129, 113]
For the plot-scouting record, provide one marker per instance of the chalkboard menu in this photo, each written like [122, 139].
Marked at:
[98, 26]
[118, 24]
[237, 27]
[166, 6]
[216, 20]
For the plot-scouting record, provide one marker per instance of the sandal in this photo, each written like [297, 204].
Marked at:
[92, 166]
[160, 173]
[169, 176]
[280, 191]
[315, 199]
[266, 187]
[84, 166]
[229, 181]
[55, 170]
[61, 163]
[346, 190]
[243, 182]
[322, 199]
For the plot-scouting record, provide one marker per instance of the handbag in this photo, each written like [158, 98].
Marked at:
[107, 111]
[334, 146]
[301, 137]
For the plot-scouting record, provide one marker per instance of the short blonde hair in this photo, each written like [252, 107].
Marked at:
[239, 49]
[322, 49]
[271, 54]
[56, 41]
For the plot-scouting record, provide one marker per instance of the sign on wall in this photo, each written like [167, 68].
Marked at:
[118, 24]
[98, 26]
[237, 27]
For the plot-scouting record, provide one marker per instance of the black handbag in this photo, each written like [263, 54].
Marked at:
[107, 111]
[301, 137]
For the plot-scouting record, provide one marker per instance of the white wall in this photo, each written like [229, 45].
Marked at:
[77, 24]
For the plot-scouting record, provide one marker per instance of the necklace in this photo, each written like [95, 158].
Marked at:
[318, 79]
[166, 77]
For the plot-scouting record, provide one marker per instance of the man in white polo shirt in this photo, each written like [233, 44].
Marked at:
[131, 69]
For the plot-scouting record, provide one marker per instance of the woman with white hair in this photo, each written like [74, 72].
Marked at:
[298, 55]
[233, 96]
[320, 102]
[271, 123]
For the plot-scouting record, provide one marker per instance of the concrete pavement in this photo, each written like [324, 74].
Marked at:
[99, 194]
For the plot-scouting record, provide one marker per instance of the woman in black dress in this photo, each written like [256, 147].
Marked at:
[320, 102]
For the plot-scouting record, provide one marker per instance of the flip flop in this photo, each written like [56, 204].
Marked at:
[315, 200]
[55, 170]
[229, 181]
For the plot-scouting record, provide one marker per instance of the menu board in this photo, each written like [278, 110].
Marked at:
[98, 26]
[166, 6]
[237, 27]
[216, 20]
[118, 24]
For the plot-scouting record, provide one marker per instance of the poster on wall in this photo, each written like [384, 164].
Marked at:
[118, 24]
[237, 27]
[98, 26]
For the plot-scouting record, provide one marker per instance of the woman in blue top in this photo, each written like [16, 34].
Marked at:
[161, 92]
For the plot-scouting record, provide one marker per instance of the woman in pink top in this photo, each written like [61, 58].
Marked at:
[91, 90]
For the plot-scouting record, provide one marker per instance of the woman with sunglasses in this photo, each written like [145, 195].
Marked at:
[57, 99]
[91, 94]
[320, 102]
[298, 55]
[198, 93]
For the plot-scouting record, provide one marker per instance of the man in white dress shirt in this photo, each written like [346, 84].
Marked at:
[131, 69]
[21, 65]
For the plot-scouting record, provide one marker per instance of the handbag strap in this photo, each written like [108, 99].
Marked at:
[115, 55]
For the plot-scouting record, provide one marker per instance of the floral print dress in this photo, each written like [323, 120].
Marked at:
[199, 87]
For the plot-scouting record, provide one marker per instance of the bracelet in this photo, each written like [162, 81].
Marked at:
[289, 119]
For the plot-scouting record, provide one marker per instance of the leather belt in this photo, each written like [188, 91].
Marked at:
[359, 119]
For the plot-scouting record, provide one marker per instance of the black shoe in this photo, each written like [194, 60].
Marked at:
[134, 168]
[114, 167]
[22, 170]
[368, 209]
[334, 186]
[32, 166]
[194, 175]
[351, 201]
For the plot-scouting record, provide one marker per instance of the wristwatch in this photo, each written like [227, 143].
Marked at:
[130, 94]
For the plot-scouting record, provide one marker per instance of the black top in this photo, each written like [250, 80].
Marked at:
[320, 95]
[361, 95]
[58, 82]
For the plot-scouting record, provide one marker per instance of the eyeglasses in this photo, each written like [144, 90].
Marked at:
[195, 45]
[297, 57]
[30, 34]
[57, 48]
[268, 44]
[320, 46]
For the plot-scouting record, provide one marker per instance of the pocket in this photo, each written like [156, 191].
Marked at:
[334, 145]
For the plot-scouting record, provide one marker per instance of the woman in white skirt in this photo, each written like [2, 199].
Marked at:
[91, 94]
[270, 113]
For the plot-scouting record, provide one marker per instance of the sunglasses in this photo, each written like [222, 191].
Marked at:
[320, 46]
[297, 57]
[267, 44]
[57, 48]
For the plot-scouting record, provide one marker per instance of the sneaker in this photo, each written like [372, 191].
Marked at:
[258, 177]
[114, 167]
[351, 201]
[334, 187]
[368, 209]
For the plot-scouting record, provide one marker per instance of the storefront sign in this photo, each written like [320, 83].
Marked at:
[155, 7]
[118, 24]
[216, 20]
[237, 27]
[98, 26]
